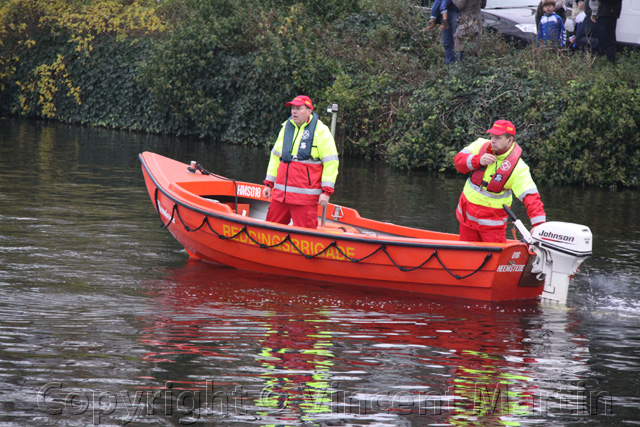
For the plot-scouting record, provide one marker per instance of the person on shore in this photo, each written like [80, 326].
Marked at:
[551, 31]
[496, 174]
[439, 10]
[560, 10]
[302, 169]
[577, 17]
[578, 9]
[468, 33]
[586, 39]
[450, 55]
[605, 14]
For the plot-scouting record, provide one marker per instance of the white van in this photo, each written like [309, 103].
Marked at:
[628, 26]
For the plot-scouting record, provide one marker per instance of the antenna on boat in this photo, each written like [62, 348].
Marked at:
[333, 110]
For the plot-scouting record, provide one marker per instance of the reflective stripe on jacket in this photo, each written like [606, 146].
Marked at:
[481, 209]
[300, 182]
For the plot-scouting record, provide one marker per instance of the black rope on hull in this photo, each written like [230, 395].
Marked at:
[175, 211]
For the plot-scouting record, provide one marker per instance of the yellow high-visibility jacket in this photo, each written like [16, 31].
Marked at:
[301, 181]
[481, 209]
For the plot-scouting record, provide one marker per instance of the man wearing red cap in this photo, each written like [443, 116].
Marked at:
[496, 174]
[303, 167]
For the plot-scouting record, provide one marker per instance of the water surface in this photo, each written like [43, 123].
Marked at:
[105, 321]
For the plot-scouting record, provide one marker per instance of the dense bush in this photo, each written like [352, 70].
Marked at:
[223, 69]
[596, 140]
[578, 120]
[78, 62]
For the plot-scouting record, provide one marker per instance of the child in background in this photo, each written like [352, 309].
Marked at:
[560, 11]
[439, 8]
[587, 34]
[578, 19]
[551, 29]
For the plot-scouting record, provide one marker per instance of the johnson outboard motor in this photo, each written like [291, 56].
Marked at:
[560, 248]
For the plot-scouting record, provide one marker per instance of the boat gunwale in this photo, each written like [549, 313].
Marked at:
[286, 229]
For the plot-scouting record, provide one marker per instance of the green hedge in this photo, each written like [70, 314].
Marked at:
[97, 48]
[223, 69]
[227, 69]
[596, 141]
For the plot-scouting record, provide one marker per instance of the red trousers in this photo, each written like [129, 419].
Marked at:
[302, 215]
[495, 235]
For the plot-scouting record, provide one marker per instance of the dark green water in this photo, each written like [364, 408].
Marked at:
[104, 321]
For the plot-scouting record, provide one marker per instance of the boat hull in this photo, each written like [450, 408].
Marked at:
[384, 256]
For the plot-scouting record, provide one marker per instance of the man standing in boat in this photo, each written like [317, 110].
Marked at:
[496, 173]
[303, 167]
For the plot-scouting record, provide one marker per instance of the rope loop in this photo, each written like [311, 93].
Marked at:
[173, 211]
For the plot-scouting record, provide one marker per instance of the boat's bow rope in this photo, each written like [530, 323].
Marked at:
[203, 171]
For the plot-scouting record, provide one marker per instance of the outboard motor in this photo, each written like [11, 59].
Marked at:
[561, 248]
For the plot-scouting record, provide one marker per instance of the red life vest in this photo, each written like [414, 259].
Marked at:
[500, 178]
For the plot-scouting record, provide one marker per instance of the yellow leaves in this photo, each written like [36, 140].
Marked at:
[47, 80]
[114, 18]
[22, 22]
[28, 43]
[292, 23]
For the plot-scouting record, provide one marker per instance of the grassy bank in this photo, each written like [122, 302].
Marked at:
[223, 69]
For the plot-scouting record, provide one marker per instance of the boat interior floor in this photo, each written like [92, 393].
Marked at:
[257, 209]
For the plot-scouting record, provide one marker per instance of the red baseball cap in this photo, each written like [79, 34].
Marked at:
[300, 100]
[502, 126]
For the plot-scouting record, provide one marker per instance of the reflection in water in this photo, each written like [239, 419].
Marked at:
[297, 360]
[317, 355]
[104, 322]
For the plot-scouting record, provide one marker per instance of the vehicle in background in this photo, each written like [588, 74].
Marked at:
[515, 19]
[628, 27]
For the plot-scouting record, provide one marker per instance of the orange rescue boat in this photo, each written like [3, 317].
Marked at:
[221, 220]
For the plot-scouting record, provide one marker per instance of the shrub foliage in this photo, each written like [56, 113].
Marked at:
[223, 69]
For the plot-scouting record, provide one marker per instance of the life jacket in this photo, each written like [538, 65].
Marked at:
[306, 142]
[500, 178]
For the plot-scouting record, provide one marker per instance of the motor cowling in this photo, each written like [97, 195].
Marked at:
[560, 247]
